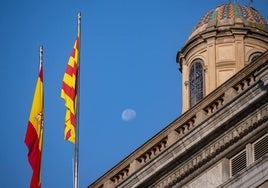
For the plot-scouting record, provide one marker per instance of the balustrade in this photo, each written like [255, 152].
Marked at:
[152, 152]
[186, 126]
[241, 86]
[215, 105]
[120, 176]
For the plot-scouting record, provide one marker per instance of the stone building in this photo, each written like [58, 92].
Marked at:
[221, 138]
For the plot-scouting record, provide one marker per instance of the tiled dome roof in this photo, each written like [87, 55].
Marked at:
[230, 14]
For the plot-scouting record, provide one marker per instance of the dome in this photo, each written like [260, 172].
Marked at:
[230, 15]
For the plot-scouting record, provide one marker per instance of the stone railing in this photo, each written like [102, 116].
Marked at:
[152, 152]
[185, 127]
[245, 83]
[214, 149]
[121, 175]
[210, 105]
[215, 105]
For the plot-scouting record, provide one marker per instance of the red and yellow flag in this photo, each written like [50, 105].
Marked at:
[34, 134]
[69, 91]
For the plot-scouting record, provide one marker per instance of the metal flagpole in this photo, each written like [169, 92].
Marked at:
[76, 146]
[41, 115]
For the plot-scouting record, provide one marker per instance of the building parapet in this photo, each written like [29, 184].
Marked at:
[246, 79]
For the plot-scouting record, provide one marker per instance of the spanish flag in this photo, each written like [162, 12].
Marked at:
[69, 91]
[34, 134]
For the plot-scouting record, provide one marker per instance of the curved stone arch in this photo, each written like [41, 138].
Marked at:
[253, 56]
[249, 53]
[190, 61]
[196, 52]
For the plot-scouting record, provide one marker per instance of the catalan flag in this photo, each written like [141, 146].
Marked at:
[34, 134]
[69, 91]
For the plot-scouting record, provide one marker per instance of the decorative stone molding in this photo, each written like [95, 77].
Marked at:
[185, 127]
[250, 78]
[245, 83]
[208, 153]
[215, 105]
[152, 152]
[120, 176]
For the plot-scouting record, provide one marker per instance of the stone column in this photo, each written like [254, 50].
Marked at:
[211, 81]
[239, 50]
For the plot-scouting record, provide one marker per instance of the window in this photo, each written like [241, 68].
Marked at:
[196, 81]
[254, 56]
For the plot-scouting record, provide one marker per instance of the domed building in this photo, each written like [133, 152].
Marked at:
[224, 41]
[221, 138]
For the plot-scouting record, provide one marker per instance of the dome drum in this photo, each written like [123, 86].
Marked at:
[225, 38]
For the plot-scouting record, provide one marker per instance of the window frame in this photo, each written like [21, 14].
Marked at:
[196, 86]
[254, 56]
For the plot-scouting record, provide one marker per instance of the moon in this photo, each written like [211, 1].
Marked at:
[128, 114]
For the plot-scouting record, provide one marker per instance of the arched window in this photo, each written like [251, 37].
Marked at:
[253, 56]
[196, 81]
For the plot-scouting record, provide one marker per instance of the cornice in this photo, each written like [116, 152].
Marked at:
[131, 169]
[217, 33]
[198, 161]
[201, 135]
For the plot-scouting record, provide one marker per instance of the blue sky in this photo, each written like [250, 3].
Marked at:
[128, 61]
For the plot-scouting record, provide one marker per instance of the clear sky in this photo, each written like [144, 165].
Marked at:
[128, 61]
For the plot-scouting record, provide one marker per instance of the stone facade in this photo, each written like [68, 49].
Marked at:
[222, 140]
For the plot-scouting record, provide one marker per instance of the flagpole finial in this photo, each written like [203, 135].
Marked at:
[41, 49]
[78, 23]
[79, 17]
[40, 55]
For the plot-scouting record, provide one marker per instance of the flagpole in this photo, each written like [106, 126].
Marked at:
[42, 114]
[76, 146]
[40, 57]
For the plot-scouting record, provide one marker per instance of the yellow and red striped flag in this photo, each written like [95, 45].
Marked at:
[69, 91]
[34, 134]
